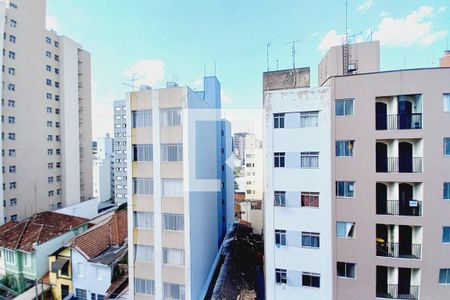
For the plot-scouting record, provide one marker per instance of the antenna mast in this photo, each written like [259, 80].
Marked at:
[293, 51]
[133, 80]
[269, 43]
[346, 21]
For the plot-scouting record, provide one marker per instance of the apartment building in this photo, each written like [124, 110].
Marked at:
[180, 189]
[239, 144]
[357, 181]
[120, 151]
[103, 169]
[46, 114]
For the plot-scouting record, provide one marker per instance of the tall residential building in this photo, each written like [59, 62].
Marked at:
[103, 169]
[357, 183]
[120, 151]
[239, 144]
[46, 109]
[181, 193]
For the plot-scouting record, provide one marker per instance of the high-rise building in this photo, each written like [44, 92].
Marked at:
[357, 181]
[180, 189]
[239, 145]
[120, 151]
[46, 108]
[103, 169]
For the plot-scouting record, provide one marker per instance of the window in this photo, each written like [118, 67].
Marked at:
[311, 279]
[280, 198]
[346, 270]
[49, 124]
[81, 294]
[49, 96]
[51, 193]
[50, 151]
[11, 87]
[309, 119]
[48, 68]
[280, 276]
[143, 219]
[309, 199]
[12, 39]
[143, 186]
[56, 57]
[56, 97]
[12, 152]
[345, 229]
[309, 160]
[172, 187]
[173, 221]
[13, 5]
[311, 239]
[10, 256]
[344, 148]
[171, 152]
[13, 23]
[50, 165]
[279, 159]
[11, 71]
[50, 179]
[26, 259]
[345, 189]
[12, 136]
[278, 120]
[280, 237]
[171, 117]
[447, 146]
[446, 234]
[48, 54]
[141, 118]
[56, 84]
[56, 44]
[172, 256]
[446, 190]
[11, 103]
[13, 217]
[12, 54]
[56, 71]
[173, 291]
[143, 152]
[144, 286]
[447, 102]
[11, 120]
[12, 185]
[444, 276]
[13, 201]
[12, 169]
[143, 253]
[48, 40]
[344, 107]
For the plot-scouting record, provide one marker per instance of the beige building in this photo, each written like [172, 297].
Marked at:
[46, 114]
[180, 189]
[381, 141]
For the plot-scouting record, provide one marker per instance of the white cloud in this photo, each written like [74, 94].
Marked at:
[442, 8]
[383, 14]
[365, 6]
[225, 97]
[198, 83]
[147, 72]
[102, 115]
[51, 23]
[408, 31]
[315, 33]
[331, 39]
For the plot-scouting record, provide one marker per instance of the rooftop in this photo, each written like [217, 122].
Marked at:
[37, 229]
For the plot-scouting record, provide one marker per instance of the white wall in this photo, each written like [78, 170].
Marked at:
[87, 209]
[102, 178]
[70, 130]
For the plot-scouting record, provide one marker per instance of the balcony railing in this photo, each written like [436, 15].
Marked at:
[400, 165]
[403, 208]
[387, 249]
[394, 291]
[399, 121]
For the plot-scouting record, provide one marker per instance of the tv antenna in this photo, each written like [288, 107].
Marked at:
[133, 81]
[293, 43]
[269, 43]
[346, 20]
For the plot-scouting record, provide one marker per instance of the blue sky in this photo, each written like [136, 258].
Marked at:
[174, 39]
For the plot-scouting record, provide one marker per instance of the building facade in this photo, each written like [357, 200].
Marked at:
[180, 201]
[376, 215]
[103, 169]
[46, 87]
[120, 151]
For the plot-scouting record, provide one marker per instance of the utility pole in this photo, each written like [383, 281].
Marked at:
[293, 43]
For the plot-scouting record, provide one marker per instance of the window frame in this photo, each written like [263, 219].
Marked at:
[346, 270]
[344, 109]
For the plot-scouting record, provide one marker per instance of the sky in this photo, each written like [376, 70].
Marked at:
[165, 40]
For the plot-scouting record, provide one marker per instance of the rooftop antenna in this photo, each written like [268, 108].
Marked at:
[346, 20]
[133, 81]
[204, 70]
[215, 68]
[293, 43]
[267, 51]
[277, 64]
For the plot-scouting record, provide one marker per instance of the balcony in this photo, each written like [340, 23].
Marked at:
[399, 121]
[402, 165]
[399, 208]
[397, 250]
[395, 291]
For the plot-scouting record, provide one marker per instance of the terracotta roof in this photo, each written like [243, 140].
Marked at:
[100, 237]
[39, 229]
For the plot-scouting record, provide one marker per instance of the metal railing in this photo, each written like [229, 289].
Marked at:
[388, 249]
[401, 208]
[399, 121]
[400, 165]
[394, 291]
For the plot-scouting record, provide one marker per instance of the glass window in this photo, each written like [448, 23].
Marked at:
[141, 118]
[279, 158]
[447, 102]
[172, 256]
[311, 279]
[143, 219]
[143, 253]
[143, 152]
[447, 190]
[10, 256]
[309, 119]
[172, 187]
[346, 269]
[311, 239]
[309, 199]
[344, 148]
[173, 221]
[444, 276]
[171, 152]
[309, 160]
[280, 237]
[143, 186]
[280, 198]
[278, 120]
[345, 229]
[345, 189]
[280, 276]
[344, 107]
[81, 294]
[447, 146]
[171, 117]
[446, 234]
[144, 286]
[174, 291]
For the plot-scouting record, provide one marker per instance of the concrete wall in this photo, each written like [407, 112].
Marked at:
[286, 79]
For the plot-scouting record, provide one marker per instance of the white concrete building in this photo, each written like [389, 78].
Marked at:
[180, 189]
[120, 152]
[46, 88]
[103, 169]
